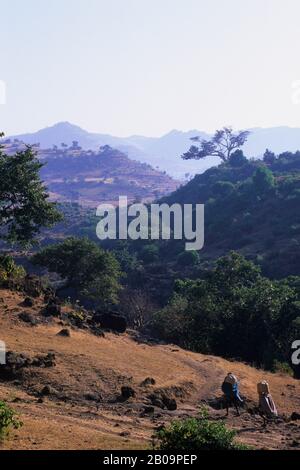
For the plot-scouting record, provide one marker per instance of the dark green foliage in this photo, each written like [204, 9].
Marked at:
[234, 312]
[194, 435]
[269, 157]
[188, 258]
[24, 206]
[247, 206]
[8, 420]
[10, 273]
[263, 180]
[149, 253]
[238, 159]
[85, 266]
[223, 188]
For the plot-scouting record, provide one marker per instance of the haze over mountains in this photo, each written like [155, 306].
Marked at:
[89, 177]
[164, 151]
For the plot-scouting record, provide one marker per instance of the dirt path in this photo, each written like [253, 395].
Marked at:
[88, 366]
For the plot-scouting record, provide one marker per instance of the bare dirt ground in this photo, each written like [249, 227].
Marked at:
[82, 409]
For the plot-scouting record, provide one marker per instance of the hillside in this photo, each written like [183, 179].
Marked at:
[92, 177]
[81, 409]
[263, 223]
[164, 151]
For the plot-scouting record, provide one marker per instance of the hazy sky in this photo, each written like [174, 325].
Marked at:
[148, 66]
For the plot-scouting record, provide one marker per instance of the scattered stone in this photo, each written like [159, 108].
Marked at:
[64, 332]
[170, 403]
[90, 396]
[148, 410]
[157, 402]
[295, 416]
[52, 310]
[44, 361]
[148, 381]
[28, 318]
[28, 302]
[125, 434]
[14, 362]
[47, 390]
[162, 400]
[127, 392]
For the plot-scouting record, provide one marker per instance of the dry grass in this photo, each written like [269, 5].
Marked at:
[86, 363]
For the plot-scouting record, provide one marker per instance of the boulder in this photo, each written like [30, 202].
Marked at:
[127, 392]
[90, 396]
[112, 321]
[295, 416]
[28, 302]
[147, 382]
[52, 310]
[162, 400]
[47, 390]
[14, 363]
[28, 318]
[47, 360]
[170, 403]
[148, 410]
[157, 402]
[64, 332]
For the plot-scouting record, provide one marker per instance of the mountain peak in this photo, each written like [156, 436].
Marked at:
[65, 125]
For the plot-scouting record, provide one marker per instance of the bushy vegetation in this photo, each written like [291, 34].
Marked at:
[10, 273]
[235, 312]
[250, 206]
[85, 266]
[8, 420]
[197, 434]
[245, 305]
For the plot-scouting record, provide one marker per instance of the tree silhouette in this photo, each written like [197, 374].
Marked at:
[222, 144]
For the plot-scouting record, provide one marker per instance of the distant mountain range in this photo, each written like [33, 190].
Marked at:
[163, 152]
[91, 177]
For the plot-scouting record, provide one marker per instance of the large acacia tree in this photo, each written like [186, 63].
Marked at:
[224, 142]
[24, 205]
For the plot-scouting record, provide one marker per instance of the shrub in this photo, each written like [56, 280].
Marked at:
[263, 180]
[8, 420]
[282, 368]
[9, 271]
[188, 258]
[195, 434]
[149, 253]
[237, 159]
